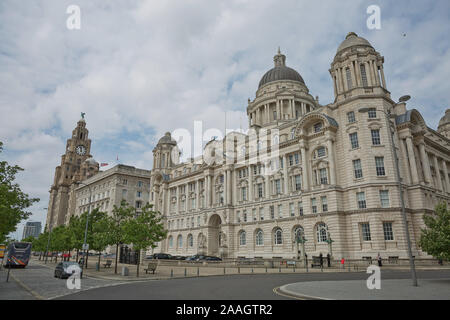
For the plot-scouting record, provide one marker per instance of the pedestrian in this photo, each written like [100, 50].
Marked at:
[329, 260]
[342, 262]
[379, 260]
[321, 260]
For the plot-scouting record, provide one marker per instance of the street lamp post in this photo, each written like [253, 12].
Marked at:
[330, 244]
[301, 239]
[86, 229]
[399, 183]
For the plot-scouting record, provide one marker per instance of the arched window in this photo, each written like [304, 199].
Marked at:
[322, 232]
[278, 236]
[170, 242]
[190, 240]
[298, 233]
[242, 238]
[180, 241]
[259, 239]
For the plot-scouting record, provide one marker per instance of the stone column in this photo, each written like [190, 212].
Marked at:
[382, 76]
[404, 159]
[447, 182]
[332, 161]
[304, 168]
[266, 181]
[178, 200]
[353, 74]
[438, 173]
[250, 183]
[285, 174]
[266, 108]
[425, 163]
[412, 160]
[207, 193]
[197, 189]
[375, 71]
[230, 187]
[292, 108]
[358, 73]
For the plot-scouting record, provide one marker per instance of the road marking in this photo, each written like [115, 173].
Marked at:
[278, 291]
[27, 288]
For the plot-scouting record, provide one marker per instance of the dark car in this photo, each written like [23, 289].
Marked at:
[196, 257]
[211, 258]
[178, 258]
[162, 256]
[66, 269]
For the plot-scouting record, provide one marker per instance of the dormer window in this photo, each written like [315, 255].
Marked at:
[317, 127]
[321, 152]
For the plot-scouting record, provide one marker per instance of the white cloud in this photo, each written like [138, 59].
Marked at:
[141, 68]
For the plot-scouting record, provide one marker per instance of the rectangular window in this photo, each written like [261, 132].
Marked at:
[138, 204]
[321, 152]
[300, 208]
[124, 194]
[261, 214]
[291, 160]
[357, 168]
[297, 158]
[139, 184]
[260, 190]
[317, 127]
[291, 209]
[361, 197]
[387, 229]
[274, 115]
[298, 182]
[323, 176]
[365, 229]
[349, 78]
[280, 211]
[277, 186]
[254, 214]
[244, 193]
[244, 215]
[384, 198]
[376, 137]
[379, 164]
[372, 113]
[351, 117]
[313, 205]
[238, 216]
[272, 212]
[324, 204]
[138, 194]
[363, 75]
[198, 221]
[354, 140]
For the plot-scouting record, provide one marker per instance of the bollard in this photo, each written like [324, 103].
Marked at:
[223, 270]
[266, 269]
[294, 269]
[7, 277]
[252, 270]
[239, 269]
[279, 269]
[185, 272]
[171, 273]
[198, 272]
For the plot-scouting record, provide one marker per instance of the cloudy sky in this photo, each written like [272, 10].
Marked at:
[141, 68]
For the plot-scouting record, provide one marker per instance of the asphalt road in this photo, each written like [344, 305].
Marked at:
[37, 282]
[233, 287]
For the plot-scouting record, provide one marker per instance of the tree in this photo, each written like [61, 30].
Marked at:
[115, 235]
[13, 201]
[144, 231]
[99, 236]
[61, 239]
[29, 239]
[435, 238]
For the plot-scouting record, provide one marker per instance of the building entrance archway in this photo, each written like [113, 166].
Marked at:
[214, 229]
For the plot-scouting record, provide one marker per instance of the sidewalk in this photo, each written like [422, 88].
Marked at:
[164, 272]
[435, 289]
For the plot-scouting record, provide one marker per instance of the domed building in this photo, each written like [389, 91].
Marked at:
[308, 178]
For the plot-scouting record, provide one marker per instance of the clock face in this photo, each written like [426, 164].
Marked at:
[81, 150]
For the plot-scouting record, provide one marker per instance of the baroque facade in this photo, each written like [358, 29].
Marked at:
[327, 173]
[76, 165]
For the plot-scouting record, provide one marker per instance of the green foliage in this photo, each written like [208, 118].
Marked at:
[29, 239]
[145, 230]
[96, 233]
[115, 234]
[13, 201]
[435, 238]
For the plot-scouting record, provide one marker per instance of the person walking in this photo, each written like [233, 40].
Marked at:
[379, 260]
[328, 260]
[321, 260]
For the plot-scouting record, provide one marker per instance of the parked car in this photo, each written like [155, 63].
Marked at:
[63, 270]
[109, 255]
[160, 256]
[196, 257]
[211, 258]
[178, 258]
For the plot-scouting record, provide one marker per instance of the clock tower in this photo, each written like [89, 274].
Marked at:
[73, 168]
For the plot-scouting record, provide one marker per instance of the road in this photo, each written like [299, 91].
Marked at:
[36, 282]
[233, 287]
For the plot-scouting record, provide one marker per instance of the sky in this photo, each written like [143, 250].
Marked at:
[141, 68]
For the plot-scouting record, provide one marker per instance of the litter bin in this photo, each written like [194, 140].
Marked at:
[125, 271]
[97, 266]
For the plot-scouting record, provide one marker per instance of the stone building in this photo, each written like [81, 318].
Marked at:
[76, 165]
[331, 180]
[108, 188]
